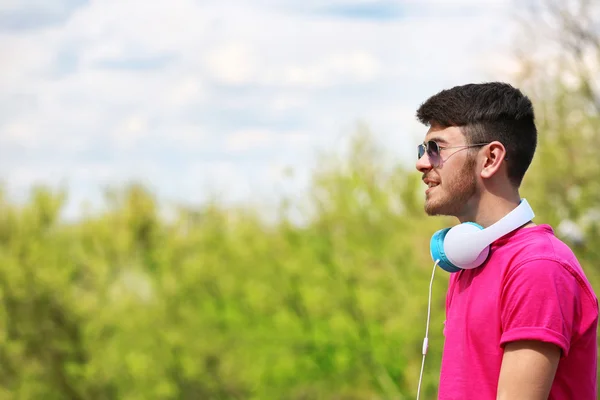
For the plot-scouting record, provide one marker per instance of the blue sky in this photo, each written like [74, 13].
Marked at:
[186, 95]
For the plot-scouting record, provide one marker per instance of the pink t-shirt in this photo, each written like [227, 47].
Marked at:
[531, 287]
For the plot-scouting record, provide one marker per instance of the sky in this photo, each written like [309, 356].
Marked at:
[190, 97]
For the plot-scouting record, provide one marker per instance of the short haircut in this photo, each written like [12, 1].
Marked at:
[486, 112]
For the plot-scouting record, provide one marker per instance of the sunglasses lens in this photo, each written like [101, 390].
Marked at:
[433, 151]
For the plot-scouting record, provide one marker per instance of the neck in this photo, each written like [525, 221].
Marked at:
[488, 208]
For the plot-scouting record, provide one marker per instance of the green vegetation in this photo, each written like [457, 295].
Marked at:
[218, 304]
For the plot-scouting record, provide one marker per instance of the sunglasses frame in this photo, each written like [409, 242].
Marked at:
[436, 159]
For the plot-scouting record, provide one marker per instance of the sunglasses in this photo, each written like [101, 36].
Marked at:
[433, 151]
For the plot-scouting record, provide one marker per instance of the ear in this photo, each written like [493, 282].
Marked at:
[493, 156]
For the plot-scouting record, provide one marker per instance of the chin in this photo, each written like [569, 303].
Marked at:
[432, 211]
[435, 208]
[431, 208]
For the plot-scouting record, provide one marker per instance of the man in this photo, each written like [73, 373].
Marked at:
[524, 324]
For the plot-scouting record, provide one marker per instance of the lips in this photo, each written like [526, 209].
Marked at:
[431, 183]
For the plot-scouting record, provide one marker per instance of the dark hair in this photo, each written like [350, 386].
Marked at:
[486, 112]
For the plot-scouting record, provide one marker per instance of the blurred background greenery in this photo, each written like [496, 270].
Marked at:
[216, 302]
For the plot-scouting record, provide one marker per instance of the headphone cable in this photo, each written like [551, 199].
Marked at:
[426, 340]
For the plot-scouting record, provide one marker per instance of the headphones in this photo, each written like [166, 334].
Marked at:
[467, 246]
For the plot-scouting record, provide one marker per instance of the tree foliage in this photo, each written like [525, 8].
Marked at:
[560, 70]
[217, 304]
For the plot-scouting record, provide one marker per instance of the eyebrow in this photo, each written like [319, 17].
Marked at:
[438, 140]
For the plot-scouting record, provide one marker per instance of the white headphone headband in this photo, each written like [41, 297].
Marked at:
[463, 245]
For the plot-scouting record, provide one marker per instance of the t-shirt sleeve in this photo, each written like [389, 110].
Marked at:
[539, 302]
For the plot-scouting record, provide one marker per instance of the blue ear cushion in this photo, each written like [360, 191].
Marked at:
[437, 249]
[474, 224]
[436, 246]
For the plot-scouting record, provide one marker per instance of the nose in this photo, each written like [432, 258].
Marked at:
[424, 164]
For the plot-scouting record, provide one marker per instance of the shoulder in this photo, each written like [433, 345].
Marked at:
[537, 260]
[536, 247]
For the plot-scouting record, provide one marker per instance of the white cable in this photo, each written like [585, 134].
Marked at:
[426, 340]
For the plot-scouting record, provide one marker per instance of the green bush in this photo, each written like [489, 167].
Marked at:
[218, 303]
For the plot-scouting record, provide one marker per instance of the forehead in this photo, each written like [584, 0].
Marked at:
[449, 135]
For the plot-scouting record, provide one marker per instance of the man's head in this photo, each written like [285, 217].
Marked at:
[485, 131]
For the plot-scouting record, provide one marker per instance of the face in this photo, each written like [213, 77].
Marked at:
[449, 173]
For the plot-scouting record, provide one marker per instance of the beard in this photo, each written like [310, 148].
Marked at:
[452, 198]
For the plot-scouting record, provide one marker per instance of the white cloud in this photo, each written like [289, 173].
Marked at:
[284, 101]
[248, 139]
[185, 91]
[180, 138]
[217, 171]
[22, 133]
[458, 3]
[296, 139]
[332, 70]
[117, 28]
[232, 63]
[219, 91]
[38, 5]
[130, 132]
